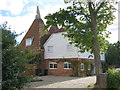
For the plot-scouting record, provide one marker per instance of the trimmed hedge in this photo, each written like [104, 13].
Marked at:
[113, 79]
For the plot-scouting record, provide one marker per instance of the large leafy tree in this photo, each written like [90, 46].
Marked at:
[13, 61]
[112, 55]
[86, 23]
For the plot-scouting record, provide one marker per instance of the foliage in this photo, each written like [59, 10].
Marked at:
[13, 62]
[113, 79]
[76, 20]
[112, 55]
[8, 39]
[85, 24]
[76, 69]
[35, 58]
[104, 66]
[38, 59]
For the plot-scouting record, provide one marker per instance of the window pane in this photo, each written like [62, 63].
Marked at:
[51, 65]
[50, 48]
[55, 65]
[82, 67]
[28, 42]
[65, 65]
[69, 65]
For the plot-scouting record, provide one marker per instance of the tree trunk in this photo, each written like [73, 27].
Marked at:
[95, 46]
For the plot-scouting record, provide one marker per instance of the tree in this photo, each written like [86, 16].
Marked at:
[13, 62]
[86, 23]
[112, 55]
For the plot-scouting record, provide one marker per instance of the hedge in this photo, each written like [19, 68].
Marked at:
[113, 79]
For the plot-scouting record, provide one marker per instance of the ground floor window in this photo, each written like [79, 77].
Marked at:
[53, 65]
[82, 66]
[67, 65]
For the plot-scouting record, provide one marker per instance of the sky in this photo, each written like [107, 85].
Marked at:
[20, 14]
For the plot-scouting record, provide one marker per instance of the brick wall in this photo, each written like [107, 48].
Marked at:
[60, 71]
[32, 71]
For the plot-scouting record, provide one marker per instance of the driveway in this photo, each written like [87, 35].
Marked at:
[63, 82]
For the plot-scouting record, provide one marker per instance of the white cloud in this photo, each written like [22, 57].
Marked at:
[114, 29]
[35, 1]
[19, 24]
[14, 6]
[113, 37]
[22, 23]
[49, 9]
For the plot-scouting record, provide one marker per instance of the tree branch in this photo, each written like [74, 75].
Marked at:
[100, 7]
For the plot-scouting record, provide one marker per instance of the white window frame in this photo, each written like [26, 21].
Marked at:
[89, 66]
[53, 63]
[69, 47]
[82, 66]
[28, 41]
[68, 65]
[50, 49]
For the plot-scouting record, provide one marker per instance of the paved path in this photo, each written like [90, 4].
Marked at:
[63, 82]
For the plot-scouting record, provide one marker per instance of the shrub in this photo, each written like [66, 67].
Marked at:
[13, 62]
[113, 79]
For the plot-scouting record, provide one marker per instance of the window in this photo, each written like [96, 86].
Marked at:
[50, 48]
[29, 41]
[82, 66]
[67, 65]
[69, 47]
[89, 66]
[53, 65]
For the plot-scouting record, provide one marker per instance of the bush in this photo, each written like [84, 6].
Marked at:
[113, 79]
[13, 67]
[13, 62]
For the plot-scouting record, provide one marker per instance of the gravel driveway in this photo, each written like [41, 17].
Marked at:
[63, 82]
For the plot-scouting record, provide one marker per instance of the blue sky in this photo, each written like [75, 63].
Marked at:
[20, 14]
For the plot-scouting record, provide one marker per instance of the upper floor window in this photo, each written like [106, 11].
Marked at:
[69, 47]
[50, 48]
[67, 65]
[82, 66]
[29, 41]
[53, 65]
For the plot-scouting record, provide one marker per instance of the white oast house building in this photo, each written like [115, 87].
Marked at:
[58, 56]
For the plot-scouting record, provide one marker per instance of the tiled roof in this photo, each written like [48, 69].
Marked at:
[36, 30]
[55, 29]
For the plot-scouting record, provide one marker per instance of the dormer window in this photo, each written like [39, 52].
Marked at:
[29, 41]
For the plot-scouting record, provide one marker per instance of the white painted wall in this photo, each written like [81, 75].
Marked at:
[59, 43]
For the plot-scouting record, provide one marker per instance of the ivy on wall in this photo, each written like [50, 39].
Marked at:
[76, 66]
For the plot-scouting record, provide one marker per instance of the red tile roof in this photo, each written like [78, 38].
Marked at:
[36, 30]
